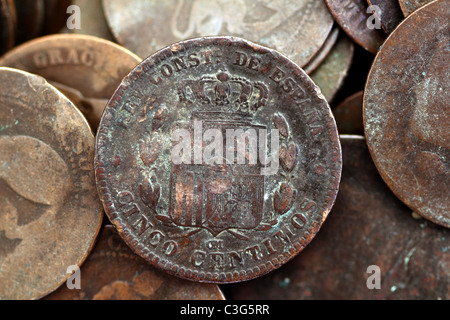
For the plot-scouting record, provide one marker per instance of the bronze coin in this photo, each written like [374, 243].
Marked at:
[409, 6]
[368, 226]
[331, 73]
[353, 18]
[93, 19]
[323, 51]
[297, 28]
[49, 212]
[30, 19]
[87, 69]
[348, 115]
[388, 12]
[406, 112]
[8, 22]
[227, 214]
[113, 272]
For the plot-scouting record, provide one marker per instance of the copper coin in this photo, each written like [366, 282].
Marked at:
[55, 15]
[353, 18]
[297, 28]
[30, 19]
[388, 12]
[87, 69]
[7, 24]
[113, 272]
[368, 226]
[323, 51]
[49, 212]
[409, 6]
[331, 73]
[348, 115]
[215, 217]
[93, 19]
[406, 112]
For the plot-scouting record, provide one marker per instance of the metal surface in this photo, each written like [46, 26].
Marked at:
[409, 6]
[93, 19]
[388, 12]
[406, 112]
[220, 222]
[368, 226]
[297, 28]
[323, 51]
[30, 19]
[8, 21]
[87, 69]
[348, 115]
[49, 211]
[113, 272]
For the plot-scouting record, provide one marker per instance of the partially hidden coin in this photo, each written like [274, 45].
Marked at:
[8, 22]
[30, 19]
[331, 73]
[348, 115]
[409, 6]
[93, 21]
[360, 26]
[388, 12]
[113, 272]
[49, 212]
[296, 28]
[223, 211]
[323, 51]
[406, 112]
[86, 69]
[55, 15]
[370, 247]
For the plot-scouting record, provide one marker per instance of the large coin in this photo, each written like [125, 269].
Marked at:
[370, 247]
[180, 172]
[113, 272]
[406, 112]
[49, 211]
[87, 69]
[297, 28]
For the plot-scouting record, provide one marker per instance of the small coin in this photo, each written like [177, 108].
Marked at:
[86, 69]
[297, 28]
[93, 21]
[30, 19]
[113, 272]
[331, 73]
[388, 12]
[409, 6]
[217, 212]
[8, 22]
[348, 115]
[353, 18]
[323, 51]
[406, 112]
[367, 228]
[49, 212]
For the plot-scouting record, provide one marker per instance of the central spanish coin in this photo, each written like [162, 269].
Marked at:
[217, 159]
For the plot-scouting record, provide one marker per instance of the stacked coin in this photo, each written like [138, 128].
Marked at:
[174, 150]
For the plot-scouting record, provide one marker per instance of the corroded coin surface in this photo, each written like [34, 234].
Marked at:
[113, 272]
[217, 159]
[86, 69]
[49, 211]
[409, 6]
[388, 12]
[297, 28]
[406, 112]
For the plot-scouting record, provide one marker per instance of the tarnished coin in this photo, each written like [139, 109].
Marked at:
[86, 69]
[323, 51]
[388, 12]
[217, 159]
[113, 272]
[297, 28]
[30, 19]
[348, 115]
[331, 73]
[93, 21]
[370, 247]
[7, 24]
[359, 25]
[49, 212]
[409, 6]
[407, 115]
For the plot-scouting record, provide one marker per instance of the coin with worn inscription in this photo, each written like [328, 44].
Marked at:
[50, 214]
[217, 159]
[407, 115]
[388, 13]
[348, 115]
[7, 24]
[370, 247]
[93, 21]
[323, 51]
[86, 69]
[357, 22]
[409, 6]
[297, 28]
[113, 272]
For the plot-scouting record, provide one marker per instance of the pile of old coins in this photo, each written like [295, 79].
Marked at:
[212, 149]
